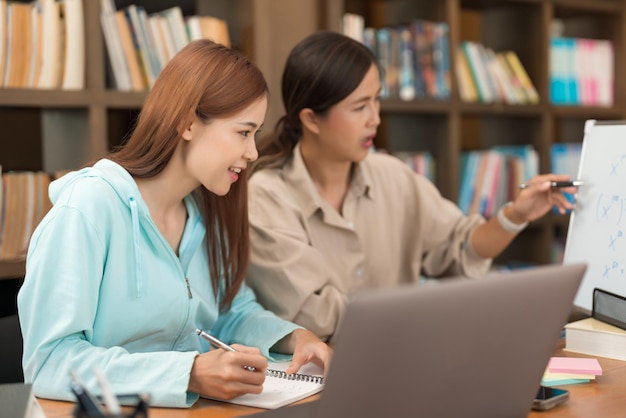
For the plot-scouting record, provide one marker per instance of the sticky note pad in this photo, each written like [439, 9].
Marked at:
[562, 382]
[574, 365]
[555, 376]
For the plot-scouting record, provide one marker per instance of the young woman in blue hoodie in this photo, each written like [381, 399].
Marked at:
[151, 243]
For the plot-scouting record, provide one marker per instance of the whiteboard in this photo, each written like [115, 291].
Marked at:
[597, 227]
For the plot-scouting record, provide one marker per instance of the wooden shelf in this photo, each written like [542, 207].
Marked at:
[64, 127]
[44, 98]
[586, 6]
[523, 26]
[414, 106]
[61, 130]
[501, 109]
[588, 112]
[122, 100]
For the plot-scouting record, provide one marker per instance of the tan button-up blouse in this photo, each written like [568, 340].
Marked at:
[394, 227]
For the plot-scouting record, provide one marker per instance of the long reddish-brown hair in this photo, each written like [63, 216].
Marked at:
[204, 80]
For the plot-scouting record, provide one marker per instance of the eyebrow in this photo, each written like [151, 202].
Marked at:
[250, 124]
[366, 98]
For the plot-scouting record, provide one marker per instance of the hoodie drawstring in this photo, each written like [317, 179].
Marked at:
[138, 269]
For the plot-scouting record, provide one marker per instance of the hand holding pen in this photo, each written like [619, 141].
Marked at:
[540, 194]
[220, 344]
[228, 372]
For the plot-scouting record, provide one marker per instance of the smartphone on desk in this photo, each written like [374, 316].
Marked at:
[548, 398]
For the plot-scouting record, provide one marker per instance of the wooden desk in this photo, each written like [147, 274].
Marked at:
[605, 397]
[203, 408]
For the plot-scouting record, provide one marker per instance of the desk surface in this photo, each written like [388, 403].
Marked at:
[606, 397]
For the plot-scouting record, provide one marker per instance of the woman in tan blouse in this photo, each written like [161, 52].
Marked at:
[329, 217]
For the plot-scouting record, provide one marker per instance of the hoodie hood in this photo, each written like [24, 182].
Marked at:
[115, 175]
[126, 189]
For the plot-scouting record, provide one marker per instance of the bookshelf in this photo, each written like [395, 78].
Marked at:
[448, 127]
[56, 130]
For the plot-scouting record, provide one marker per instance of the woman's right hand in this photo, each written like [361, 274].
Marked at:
[226, 374]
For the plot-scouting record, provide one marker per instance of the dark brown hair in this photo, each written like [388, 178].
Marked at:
[321, 70]
[204, 80]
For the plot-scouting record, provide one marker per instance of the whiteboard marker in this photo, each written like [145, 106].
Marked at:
[557, 184]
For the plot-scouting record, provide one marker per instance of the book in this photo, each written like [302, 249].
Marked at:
[280, 389]
[596, 338]
[137, 76]
[18, 401]
[467, 88]
[18, 44]
[523, 77]
[176, 24]
[115, 52]
[36, 51]
[74, 42]
[575, 365]
[3, 38]
[148, 62]
[52, 53]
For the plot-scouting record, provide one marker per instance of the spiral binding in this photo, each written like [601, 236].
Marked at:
[295, 376]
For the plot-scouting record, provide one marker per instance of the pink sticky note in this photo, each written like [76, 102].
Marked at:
[576, 365]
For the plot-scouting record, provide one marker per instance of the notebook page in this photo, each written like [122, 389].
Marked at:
[278, 391]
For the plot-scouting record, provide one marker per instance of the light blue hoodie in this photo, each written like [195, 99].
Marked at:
[103, 287]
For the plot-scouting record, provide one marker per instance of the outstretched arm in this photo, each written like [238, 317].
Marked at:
[533, 202]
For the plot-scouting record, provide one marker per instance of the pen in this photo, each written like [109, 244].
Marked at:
[87, 402]
[219, 344]
[557, 184]
[110, 400]
[214, 341]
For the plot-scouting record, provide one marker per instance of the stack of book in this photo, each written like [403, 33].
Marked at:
[490, 178]
[581, 71]
[139, 44]
[23, 203]
[596, 338]
[414, 57]
[421, 162]
[487, 76]
[570, 370]
[42, 44]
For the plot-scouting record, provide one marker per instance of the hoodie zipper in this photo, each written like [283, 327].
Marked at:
[188, 288]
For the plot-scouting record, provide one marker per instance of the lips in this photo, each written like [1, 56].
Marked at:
[368, 142]
[234, 173]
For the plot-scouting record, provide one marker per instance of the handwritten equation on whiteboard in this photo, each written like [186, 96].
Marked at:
[610, 209]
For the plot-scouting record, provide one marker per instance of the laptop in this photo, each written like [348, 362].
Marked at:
[457, 348]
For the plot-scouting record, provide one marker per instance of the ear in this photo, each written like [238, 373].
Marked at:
[186, 134]
[309, 120]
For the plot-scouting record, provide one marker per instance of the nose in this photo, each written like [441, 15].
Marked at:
[374, 119]
[251, 153]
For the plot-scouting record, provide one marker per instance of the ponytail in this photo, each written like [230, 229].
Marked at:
[275, 149]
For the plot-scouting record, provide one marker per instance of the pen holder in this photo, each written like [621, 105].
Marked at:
[134, 406]
[609, 307]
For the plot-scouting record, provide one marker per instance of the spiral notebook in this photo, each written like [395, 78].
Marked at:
[281, 389]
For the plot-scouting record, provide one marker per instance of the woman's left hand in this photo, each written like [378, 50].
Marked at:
[539, 197]
[308, 348]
